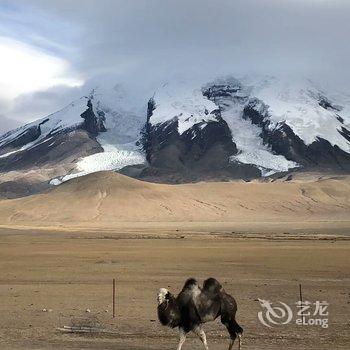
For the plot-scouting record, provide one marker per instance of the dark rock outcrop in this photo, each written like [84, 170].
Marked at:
[94, 124]
[282, 140]
[200, 152]
[65, 147]
[28, 135]
[204, 145]
[325, 103]
[221, 93]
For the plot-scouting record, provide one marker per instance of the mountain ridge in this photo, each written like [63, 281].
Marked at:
[228, 128]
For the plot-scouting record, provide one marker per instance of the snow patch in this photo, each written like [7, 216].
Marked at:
[295, 102]
[113, 158]
[250, 145]
[183, 102]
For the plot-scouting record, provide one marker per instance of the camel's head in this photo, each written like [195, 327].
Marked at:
[162, 295]
[168, 310]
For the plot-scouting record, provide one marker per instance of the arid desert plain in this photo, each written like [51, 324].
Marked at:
[60, 250]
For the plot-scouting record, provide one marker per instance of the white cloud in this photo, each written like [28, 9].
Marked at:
[25, 69]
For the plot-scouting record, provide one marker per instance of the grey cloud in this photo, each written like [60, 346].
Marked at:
[7, 124]
[251, 34]
[144, 41]
[36, 105]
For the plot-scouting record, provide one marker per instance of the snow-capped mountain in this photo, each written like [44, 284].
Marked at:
[227, 128]
[93, 133]
[274, 125]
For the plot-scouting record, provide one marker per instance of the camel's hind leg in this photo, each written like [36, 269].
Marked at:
[239, 342]
[234, 330]
[230, 346]
[201, 335]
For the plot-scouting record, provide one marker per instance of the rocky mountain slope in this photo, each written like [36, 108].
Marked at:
[226, 129]
[271, 125]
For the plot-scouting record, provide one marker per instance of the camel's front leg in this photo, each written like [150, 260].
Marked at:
[182, 338]
[201, 335]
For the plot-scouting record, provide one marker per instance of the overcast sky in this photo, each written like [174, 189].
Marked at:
[53, 51]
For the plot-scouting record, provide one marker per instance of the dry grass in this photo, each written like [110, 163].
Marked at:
[70, 275]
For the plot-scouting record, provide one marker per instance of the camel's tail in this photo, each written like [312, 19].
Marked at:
[237, 328]
[235, 331]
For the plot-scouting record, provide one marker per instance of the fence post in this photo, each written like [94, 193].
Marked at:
[113, 297]
[301, 301]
